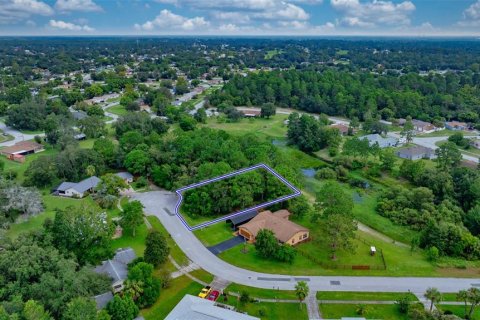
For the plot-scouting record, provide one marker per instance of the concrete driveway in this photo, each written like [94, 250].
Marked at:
[162, 203]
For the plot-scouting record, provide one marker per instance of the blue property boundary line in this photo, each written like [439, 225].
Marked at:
[296, 192]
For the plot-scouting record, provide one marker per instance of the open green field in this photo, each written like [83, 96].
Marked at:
[272, 53]
[444, 133]
[5, 137]
[20, 168]
[276, 311]
[170, 296]
[262, 293]
[385, 312]
[175, 251]
[118, 110]
[51, 203]
[214, 234]
[202, 275]
[362, 296]
[86, 144]
[459, 310]
[273, 127]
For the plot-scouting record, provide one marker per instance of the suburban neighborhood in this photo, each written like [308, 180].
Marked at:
[270, 160]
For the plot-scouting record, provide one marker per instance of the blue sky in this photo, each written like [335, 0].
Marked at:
[240, 17]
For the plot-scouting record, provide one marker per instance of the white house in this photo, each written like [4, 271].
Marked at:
[77, 190]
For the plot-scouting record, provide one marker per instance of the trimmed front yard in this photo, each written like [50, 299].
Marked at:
[170, 297]
[262, 293]
[385, 312]
[214, 234]
[362, 296]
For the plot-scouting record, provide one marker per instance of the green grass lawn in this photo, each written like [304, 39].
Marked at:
[337, 311]
[137, 242]
[458, 310]
[175, 251]
[51, 203]
[272, 53]
[444, 133]
[449, 296]
[86, 144]
[169, 298]
[214, 234]
[273, 127]
[400, 261]
[202, 275]
[276, 311]
[362, 296]
[118, 110]
[20, 168]
[5, 138]
[262, 293]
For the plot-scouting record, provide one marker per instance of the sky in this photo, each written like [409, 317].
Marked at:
[241, 17]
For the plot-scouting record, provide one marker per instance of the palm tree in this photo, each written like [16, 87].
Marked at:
[301, 290]
[433, 295]
[473, 296]
[133, 288]
[462, 295]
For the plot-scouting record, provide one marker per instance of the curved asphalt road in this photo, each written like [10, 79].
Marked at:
[162, 204]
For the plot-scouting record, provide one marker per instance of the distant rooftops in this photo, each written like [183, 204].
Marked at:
[22, 147]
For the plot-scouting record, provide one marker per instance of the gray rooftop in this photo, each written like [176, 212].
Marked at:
[81, 186]
[117, 268]
[124, 175]
[191, 307]
[416, 151]
[382, 142]
[103, 299]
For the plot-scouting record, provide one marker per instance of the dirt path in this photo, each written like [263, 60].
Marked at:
[380, 235]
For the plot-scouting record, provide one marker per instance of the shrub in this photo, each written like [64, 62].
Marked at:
[326, 173]
[244, 297]
[433, 254]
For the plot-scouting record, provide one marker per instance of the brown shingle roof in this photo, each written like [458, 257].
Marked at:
[21, 147]
[277, 222]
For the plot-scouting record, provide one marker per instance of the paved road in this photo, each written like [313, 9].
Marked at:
[109, 114]
[17, 135]
[159, 203]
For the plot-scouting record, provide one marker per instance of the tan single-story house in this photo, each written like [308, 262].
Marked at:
[285, 230]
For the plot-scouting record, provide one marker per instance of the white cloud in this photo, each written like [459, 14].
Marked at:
[235, 17]
[373, 12]
[77, 5]
[12, 11]
[168, 21]
[471, 16]
[259, 9]
[68, 26]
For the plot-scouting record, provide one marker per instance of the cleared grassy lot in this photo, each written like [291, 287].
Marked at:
[273, 127]
[118, 110]
[262, 293]
[362, 296]
[459, 310]
[337, 311]
[214, 234]
[202, 275]
[170, 296]
[51, 203]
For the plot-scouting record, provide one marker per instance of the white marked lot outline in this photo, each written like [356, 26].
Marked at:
[295, 193]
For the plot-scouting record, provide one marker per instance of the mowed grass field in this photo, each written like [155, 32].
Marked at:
[385, 312]
[273, 127]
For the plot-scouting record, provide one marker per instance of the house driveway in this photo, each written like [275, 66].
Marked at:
[225, 245]
[158, 203]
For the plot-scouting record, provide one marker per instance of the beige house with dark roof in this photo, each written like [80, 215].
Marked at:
[285, 230]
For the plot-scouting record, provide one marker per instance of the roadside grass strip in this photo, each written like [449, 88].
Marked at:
[295, 193]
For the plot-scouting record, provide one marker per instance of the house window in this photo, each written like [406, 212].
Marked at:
[305, 236]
